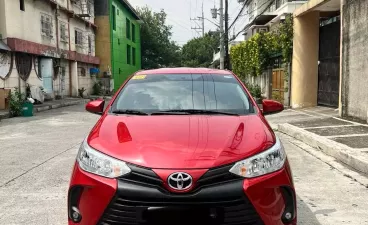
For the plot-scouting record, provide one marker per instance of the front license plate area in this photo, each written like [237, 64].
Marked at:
[183, 215]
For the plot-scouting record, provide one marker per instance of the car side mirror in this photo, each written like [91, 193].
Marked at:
[271, 107]
[96, 106]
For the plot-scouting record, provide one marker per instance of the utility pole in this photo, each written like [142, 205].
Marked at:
[222, 60]
[226, 36]
[199, 18]
[202, 21]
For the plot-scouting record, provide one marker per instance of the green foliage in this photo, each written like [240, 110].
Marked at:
[16, 101]
[286, 34]
[254, 56]
[255, 90]
[198, 52]
[157, 48]
[97, 88]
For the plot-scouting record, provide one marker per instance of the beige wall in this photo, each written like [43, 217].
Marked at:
[13, 80]
[76, 24]
[304, 82]
[26, 25]
[103, 45]
[2, 19]
[86, 81]
[21, 24]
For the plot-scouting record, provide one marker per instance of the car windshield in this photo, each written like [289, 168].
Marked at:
[183, 93]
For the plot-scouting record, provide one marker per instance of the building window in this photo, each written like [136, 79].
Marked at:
[21, 5]
[113, 18]
[133, 56]
[81, 71]
[63, 32]
[46, 25]
[133, 32]
[128, 54]
[90, 44]
[128, 28]
[78, 37]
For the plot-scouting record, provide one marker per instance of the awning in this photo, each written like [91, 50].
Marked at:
[3, 46]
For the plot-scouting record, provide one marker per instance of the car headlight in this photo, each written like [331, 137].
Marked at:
[266, 162]
[100, 164]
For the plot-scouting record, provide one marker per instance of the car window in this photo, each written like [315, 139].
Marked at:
[152, 93]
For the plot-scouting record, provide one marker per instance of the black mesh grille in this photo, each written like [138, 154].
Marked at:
[218, 199]
[143, 176]
[231, 212]
[216, 176]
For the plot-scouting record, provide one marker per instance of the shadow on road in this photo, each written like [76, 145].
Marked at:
[305, 215]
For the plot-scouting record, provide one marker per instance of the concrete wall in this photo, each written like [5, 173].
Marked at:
[26, 25]
[86, 81]
[103, 43]
[13, 80]
[304, 82]
[354, 59]
[2, 19]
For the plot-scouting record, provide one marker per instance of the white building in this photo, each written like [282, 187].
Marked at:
[263, 15]
[216, 55]
[52, 45]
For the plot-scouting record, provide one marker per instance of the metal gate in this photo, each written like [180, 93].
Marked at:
[329, 63]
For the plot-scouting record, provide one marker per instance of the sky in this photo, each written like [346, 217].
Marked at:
[179, 13]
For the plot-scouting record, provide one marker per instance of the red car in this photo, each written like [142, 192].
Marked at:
[182, 146]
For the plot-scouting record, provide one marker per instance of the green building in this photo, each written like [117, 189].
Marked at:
[118, 42]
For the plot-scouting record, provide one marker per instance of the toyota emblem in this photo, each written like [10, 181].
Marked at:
[180, 181]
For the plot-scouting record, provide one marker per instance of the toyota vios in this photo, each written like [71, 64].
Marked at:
[182, 146]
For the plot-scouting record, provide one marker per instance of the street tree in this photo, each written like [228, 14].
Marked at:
[158, 50]
[198, 52]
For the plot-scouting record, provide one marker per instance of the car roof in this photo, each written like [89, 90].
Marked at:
[182, 70]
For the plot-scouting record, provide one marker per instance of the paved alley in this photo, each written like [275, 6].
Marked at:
[37, 155]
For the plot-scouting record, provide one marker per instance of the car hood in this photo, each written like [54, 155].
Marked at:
[181, 141]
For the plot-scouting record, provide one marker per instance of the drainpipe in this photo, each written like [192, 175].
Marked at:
[70, 48]
[57, 26]
[57, 41]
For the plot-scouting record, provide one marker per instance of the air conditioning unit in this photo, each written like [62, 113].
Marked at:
[264, 29]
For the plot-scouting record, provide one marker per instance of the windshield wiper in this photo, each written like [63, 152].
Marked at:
[198, 111]
[130, 112]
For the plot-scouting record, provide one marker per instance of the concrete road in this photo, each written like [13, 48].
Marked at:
[37, 155]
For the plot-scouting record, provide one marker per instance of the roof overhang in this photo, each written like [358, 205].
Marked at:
[318, 5]
[4, 46]
[263, 19]
[131, 9]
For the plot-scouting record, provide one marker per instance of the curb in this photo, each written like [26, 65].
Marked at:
[49, 107]
[59, 105]
[339, 151]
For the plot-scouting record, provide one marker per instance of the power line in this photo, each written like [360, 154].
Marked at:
[199, 26]
[237, 17]
[270, 1]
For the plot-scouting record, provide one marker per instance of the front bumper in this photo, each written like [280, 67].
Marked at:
[257, 201]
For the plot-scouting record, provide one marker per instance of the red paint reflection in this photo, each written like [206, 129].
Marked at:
[123, 133]
[238, 137]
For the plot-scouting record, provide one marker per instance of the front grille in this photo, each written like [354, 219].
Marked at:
[218, 199]
[231, 212]
[146, 176]
[216, 176]
[142, 176]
